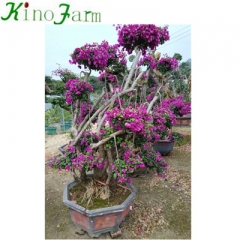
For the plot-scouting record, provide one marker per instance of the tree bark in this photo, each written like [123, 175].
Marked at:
[133, 68]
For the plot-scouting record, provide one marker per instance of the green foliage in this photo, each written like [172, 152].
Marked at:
[179, 75]
[63, 161]
[56, 97]
[162, 94]
[140, 140]
[178, 137]
[54, 115]
[181, 88]
[66, 75]
[185, 68]
[177, 56]
[153, 160]
[131, 58]
[58, 101]
[48, 79]
[117, 69]
[67, 115]
[120, 164]
[111, 143]
[96, 83]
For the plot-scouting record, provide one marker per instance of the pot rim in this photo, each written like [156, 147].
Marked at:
[165, 141]
[99, 211]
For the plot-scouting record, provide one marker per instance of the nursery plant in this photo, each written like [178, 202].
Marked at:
[56, 91]
[113, 135]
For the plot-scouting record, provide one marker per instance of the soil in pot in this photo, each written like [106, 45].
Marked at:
[119, 194]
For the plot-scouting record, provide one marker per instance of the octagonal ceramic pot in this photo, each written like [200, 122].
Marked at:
[102, 220]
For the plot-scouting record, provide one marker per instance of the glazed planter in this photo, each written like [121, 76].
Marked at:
[68, 123]
[184, 120]
[46, 127]
[64, 127]
[163, 146]
[102, 220]
[67, 126]
[51, 130]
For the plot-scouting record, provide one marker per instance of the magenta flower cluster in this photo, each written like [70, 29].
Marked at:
[84, 110]
[163, 120]
[143, 36]
[83, 161]
[61, 71]
[167, 64]
[132, 119]
[121, 168]
[97, 56]
[86, 162]
[177, 105]
[110, 78]
[148, 61]
[154, 161]
[64, 74]
[57, 72]
[75, 89]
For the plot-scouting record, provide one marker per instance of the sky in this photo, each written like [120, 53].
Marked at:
[60, 42]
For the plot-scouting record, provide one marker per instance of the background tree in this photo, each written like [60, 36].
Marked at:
[56, 96]
[177, 56]
[56, 93]
[185, 68]
[179, 83]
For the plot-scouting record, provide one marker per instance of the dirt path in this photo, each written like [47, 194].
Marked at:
[53, 142]
[161, 210]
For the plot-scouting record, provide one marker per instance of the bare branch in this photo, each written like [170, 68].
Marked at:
[82, 127]
[76, 112]
[47, 89]
[98, 101]
[86, 75]
[133, 68]
[87, 116]
[109, 103]
[157, 95]
[95, 145]
[101, 123]
[135, 81]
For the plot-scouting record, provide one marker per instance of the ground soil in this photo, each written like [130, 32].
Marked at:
[161, 209]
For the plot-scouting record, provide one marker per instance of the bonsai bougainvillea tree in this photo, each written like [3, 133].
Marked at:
[113, 135]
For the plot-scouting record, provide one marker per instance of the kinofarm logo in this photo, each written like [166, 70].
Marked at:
[22, 12]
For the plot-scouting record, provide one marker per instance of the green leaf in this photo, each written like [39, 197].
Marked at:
[131, 58]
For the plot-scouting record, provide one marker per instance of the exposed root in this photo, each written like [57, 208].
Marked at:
[105, 192]
[89, 192]
[94, 191]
